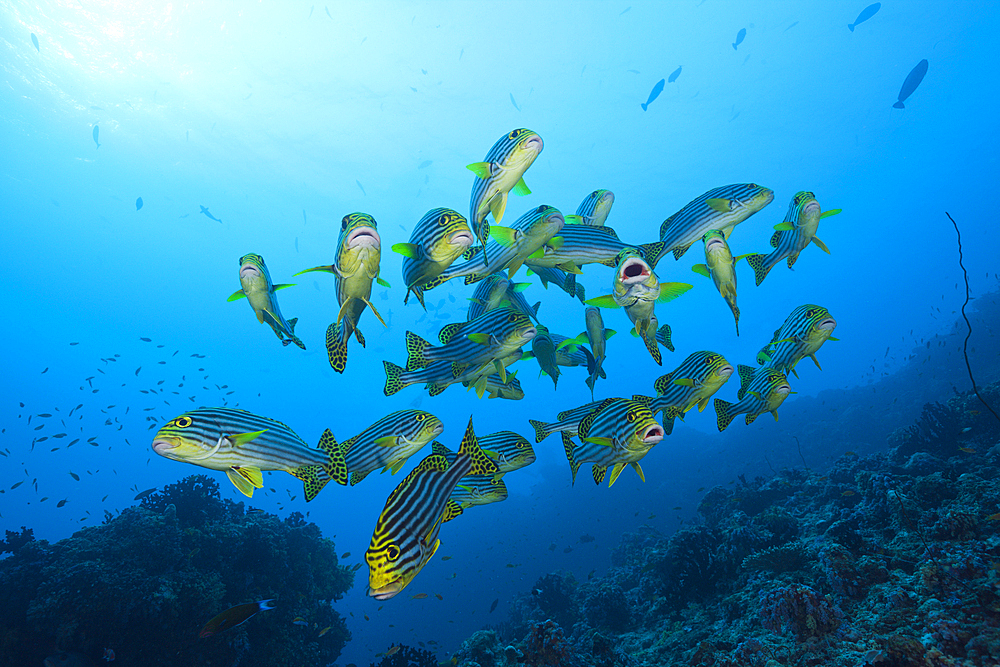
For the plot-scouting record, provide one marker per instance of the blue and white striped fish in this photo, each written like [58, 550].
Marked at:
[243, 444]
[476, 490]
[259, 291]
[437, 240]
[406, 533]
[583, 244]
[617, 434]
[501, 171]
[792, 235]
[768, 390]
[509, 450]
[597, 336]
[359, 251]
[389, 442]
[720, 208]
[595, 207]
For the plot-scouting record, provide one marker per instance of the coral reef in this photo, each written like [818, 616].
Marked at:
[407, 656]
[146, 581]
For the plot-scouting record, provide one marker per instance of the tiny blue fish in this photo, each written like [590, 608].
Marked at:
[95, 134]
[513, 102]
[654, 93]
[425, 164]
[205, 212]
[34, 40]
[913, 80]
[740, 36]
[138, 203]
[673, 77]
[865, 14]
[361, 186]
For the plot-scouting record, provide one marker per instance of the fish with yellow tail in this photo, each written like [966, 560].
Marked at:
[406, 532]
[437, 240]
[389, 442]
[359, 251]
[801, 335]
[259, 292]
[768, 390]
[243, 444]
[617, 434]
[594, 209]
[792, 235]
[637, 290]
[597, 336]
[720, 266]
[501, 172]
[720, 208]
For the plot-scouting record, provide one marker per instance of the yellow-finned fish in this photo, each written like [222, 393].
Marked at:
[768, 390]
[259, 291]
[618, 433]
[389, 442]
[597, 336]
[801, 334]
[792, 235]
[243, 444]
[595, 207]
[544, 351]
[720, 208]
[501, 171]
[438, 239]
[359, 251]
[720, 266]
[406, 533]
[637, 290]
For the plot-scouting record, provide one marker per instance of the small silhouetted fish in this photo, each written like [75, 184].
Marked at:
[425, 164]
[494, 605]
[304, 221]
[325, 9]
[34, 40]
[791, 26]
[513, 102]
[673, 76]
[361, 186]
[625, 10]
[654, 93]
[913, 80]
[311, 11]
[296, 244]
[205, 212]
[740, 36]
[138, 203]
[145, 493]
[61, 503]
[95, 134]
[146, 340]
[865, 14]
[45, 371]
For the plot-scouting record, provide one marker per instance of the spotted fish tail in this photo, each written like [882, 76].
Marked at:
[315, 477]
[759, 266]
[336, 345]
[393, 378]
[723, 418]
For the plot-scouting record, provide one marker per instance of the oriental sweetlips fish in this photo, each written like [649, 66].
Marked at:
[389, 442]
[720, 208]
[234, 616]
[437, 240]
[637, 290]
[801, 334]
[508, 450]
[561, 279]
[406, 533]
[357, 265]
[792, 235]
[494, 292]
[597, 336]
[768, 390]
[243, 444]
[720, 266]
[594, 209]
[440, 375]
[585, 244]
[259, 292]
[617, 433]
[501, 171]
[692, 383]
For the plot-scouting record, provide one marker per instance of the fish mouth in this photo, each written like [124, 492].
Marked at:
[725, 371]
[811, 208]
[634, 270]
[164, 446]
[534, 143]
[437, 430]
[363, 236]
[828, 324]
[783, 389]
[528, 333]
[385, 592]
[652, 434]
[462, 238]
[714, 244]
[249, 270]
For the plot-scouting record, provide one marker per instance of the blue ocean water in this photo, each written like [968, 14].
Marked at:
[281, 118]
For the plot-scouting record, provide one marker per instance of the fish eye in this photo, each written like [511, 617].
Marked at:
[392, 552]
[182, 422]
[812, 312]
[630, 416]
[420, 418]
[343, 224]
[754, 186]
[512, 317]
[520, 445]
[513, 134]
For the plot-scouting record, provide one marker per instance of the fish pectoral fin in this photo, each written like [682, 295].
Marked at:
[240, 439]
[238, 294]
[784, 226]
[608, 333]
[702, 270]
[670, 291]
[386, 441]
[505, 236]
[555, 242]
[383, 282]
[481, 169]
[521, 188]
[570, 267]
[606, 301]
[683, 382]
[327, 269]
[409, 250]
[479, 338]
[283, 286]
[720, 204]
[240, 482]
[603, 442]
[574, 220]
[832, 211]
[820, 245]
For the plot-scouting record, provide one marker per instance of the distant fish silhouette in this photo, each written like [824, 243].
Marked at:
[205, 212]
[513, 102]
[913, 80]
[673, 76]
[311, 11]
[740, 36]
[327, 10]
[865, 14]
[138, 203]
[791, 26]
[34, 40]
[625, 10]
[654, 93]
[96, 132]
[425, 164]
[304, 221]
[361, 186]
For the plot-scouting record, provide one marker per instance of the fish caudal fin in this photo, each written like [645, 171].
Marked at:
[663, 336]
[416, 351]
[542, 430]
[760, 267]
[336, 345]
[723, 418]
[481, 464]
[393, 378]
[315, 477]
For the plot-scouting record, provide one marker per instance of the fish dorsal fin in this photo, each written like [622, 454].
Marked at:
[588, 421]
[438, 448]
[775, 238]
[448, 331]
[481, 464]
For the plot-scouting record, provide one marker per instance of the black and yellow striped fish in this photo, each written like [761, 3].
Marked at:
[595, 207]
[508, 450]
[243, 444]
[561, 279]
[692, 383]
[493, 292]
[618, 433]
[765, 392]
[501, 171]
[720, 208]
[440, 375]
[259, 292]
[437, 240]
[389, 442]
[406, 533]
[792, 235]
[801, 335]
